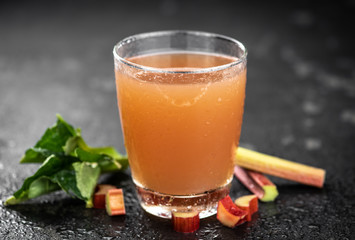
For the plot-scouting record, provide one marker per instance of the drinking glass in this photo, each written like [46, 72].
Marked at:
[181, 98]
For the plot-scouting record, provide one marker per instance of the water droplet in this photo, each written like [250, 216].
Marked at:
[313, 227]
[287, 140]
[311, 107]
[312, 143]
[348, 116]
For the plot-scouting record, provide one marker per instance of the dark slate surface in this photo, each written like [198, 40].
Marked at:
[56, 58]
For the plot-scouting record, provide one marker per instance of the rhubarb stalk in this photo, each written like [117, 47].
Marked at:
[248, 182]
[248, 203]
[115, 202]
[270, 190]
[228, 213]
[99, 197]
[279, 167]
[257, 183]
[186, 222]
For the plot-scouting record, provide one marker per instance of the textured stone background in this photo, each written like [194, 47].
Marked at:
[56, 58]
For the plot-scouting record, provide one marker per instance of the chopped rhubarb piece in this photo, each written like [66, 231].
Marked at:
[228, 213]
[270, 190]
[279, 167]
[115, 202]
[100, 195]
[248, 182]
[186, 222]
[257, 183]
[248, 203]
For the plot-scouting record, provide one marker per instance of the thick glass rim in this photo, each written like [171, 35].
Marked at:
[129, 39]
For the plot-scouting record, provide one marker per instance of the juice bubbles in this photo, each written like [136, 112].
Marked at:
[181, 126]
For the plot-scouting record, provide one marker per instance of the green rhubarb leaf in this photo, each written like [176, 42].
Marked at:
[62, 139]
[50, 166]
[38, 187]
[79, 180]
[86, 179]
[55, 137]
[68, 163]
[41, 186]
[107, 163]
[36, 155]
[66, 179]
[90, 157]
[71, 144]
[51, 142]
[33, 187]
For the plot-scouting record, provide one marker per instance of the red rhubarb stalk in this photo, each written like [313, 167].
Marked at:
[229, 214]
[248, 182]
[186, 222]
[115, 202]
[248, 203]
[257, 183]
[100, 195]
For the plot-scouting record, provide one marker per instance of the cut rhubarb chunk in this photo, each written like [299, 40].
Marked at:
[270, 190]
[186, 222]
[100, 195]
[115, 202]
[228, 213]
[248, 203]
[279, 167]
[257, 183]
[248, 182]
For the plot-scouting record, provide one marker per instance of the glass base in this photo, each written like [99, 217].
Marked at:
[162, 205]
